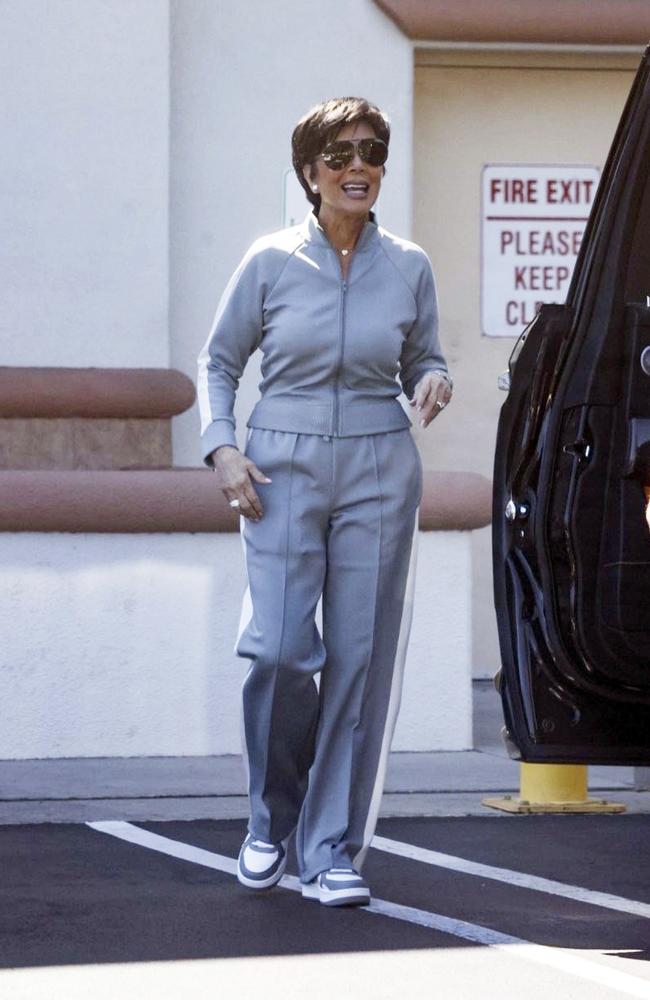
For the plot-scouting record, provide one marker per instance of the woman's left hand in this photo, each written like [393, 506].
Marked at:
[431, 395]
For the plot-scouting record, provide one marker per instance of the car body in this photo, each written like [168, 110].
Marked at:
[571, 538]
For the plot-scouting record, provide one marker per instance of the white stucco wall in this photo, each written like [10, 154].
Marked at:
[242, 76]
[84, 181]
[112, 121]
[122, 646]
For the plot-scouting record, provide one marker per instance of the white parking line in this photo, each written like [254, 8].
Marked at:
[565, 960]
[164, 845]
[521, 879]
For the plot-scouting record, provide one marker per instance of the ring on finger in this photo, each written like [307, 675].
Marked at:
[440, 404]
[234, 503]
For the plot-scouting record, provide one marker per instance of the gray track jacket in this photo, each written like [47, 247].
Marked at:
[332, 348]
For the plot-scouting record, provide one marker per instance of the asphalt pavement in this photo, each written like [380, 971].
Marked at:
[110, 893]
[562, 902]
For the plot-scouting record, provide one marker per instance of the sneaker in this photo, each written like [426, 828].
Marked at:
[338, 887]
[260, 865]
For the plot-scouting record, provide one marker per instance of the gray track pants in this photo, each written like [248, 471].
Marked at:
[340, 520]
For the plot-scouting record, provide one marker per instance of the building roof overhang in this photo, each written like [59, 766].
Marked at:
[533, 22]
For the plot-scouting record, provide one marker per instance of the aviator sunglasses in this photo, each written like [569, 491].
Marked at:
[340, 153]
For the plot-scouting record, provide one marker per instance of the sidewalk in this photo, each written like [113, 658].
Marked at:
[166, 788]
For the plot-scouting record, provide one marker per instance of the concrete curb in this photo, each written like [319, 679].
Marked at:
[165, 788]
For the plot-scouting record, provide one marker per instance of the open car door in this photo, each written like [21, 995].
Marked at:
[571, 542]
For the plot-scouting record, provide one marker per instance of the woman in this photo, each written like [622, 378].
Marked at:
[328, 489]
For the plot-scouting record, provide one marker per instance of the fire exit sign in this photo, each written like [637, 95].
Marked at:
[532, 220]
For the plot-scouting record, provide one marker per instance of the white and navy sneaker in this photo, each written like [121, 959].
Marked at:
[338, 887]
[260, 865]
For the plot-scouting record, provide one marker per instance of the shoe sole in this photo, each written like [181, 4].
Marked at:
[340, 897]
[344, 897]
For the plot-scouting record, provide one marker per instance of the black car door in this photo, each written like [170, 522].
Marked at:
[571, 542]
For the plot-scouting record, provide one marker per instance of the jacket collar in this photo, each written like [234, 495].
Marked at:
[315, 233]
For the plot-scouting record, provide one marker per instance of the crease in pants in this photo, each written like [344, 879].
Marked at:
[338, 741]
[280, 697]
[393, 703]
[349, 537]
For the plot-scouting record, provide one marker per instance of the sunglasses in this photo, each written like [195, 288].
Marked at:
[340, 153]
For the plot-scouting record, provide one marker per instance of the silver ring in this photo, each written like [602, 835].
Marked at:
[234, 503]
[439, 404]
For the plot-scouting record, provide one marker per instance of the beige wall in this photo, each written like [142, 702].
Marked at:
[472, 109]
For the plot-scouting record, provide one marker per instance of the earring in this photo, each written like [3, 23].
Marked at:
[314, 187]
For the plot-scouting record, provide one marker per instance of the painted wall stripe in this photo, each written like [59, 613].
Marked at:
[520, 879]
[566, 961]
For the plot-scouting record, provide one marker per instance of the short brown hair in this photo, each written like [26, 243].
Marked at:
[320, 125]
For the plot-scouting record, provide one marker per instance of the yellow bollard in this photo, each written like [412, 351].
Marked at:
[553, 788]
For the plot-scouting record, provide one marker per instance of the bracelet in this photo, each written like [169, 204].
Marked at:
[447, 377]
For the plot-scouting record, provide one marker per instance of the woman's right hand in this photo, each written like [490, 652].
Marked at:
[236, 472]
